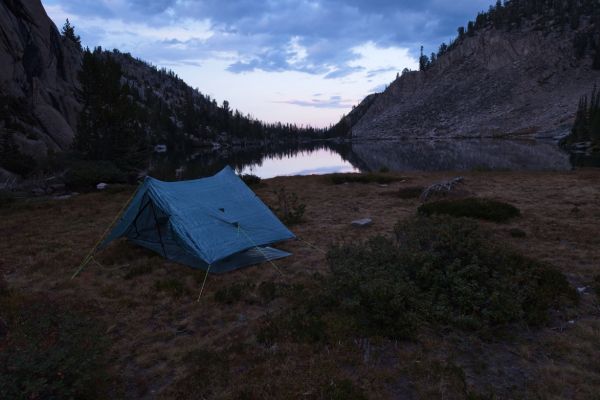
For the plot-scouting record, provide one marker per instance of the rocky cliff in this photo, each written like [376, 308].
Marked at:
[38, 80]
[526, 80]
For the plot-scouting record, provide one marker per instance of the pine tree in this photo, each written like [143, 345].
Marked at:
[68, 31]
[423, 61]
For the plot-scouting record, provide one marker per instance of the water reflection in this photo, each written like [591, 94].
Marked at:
[328, 157]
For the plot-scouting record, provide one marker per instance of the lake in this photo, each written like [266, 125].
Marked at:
[414, 155]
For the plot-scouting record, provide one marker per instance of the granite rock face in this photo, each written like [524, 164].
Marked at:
[521, 82]
[39, 92]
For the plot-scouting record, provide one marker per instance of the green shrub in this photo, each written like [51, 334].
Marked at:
[437, 272]
[6, 198]
[250, 179]
[443, 271]
[50, 352]
[338, 179]
[289, 208]
[84, 175]
[11, 157]
[486, 209]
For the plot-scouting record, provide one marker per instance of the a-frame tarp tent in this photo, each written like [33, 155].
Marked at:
[216, 221]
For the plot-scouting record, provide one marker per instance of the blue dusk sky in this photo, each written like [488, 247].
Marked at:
[305, 62]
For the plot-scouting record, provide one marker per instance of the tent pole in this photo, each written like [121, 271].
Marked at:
[158, 229]
[203, 283]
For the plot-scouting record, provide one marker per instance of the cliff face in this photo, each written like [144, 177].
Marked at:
[498, 82]
[38, 79]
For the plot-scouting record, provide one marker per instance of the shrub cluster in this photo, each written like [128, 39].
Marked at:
[472, 207]
[289, 208]
[250, 180]
[437, 271]
[87, 174]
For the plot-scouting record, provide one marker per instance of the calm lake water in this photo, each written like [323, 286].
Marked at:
[422, 155]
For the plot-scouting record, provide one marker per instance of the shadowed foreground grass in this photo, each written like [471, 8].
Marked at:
[326, 328]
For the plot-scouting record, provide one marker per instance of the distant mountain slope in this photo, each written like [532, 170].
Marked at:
[42, 100]
[520, 69]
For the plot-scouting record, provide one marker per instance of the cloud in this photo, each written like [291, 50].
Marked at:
[316, 37]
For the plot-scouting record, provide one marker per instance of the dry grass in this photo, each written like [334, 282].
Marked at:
[156, 326]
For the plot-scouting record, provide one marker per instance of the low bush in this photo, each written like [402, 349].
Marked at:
[442, 271]
[479, 208]
[438, 272]
[85, 175]
[51, 351]
[250, 179]
[11, 157]
[338, 179]
[289, 208]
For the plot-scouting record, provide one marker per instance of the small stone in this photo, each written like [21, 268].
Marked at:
[582, 289]
[571, 322]
[362, 222]
[101, 186]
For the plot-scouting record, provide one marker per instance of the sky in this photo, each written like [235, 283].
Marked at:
[296, 61]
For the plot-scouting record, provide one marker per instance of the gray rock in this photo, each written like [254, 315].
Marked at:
[38, 78]
[495, 83]
[362, 222]
[101, 186]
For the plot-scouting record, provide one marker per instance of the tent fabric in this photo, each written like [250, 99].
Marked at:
[216, 221]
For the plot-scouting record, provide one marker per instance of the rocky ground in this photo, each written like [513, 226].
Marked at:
[159, 334]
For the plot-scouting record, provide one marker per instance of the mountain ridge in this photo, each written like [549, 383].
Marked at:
[495, 81]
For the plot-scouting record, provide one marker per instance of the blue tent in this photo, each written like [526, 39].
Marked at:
[216, 221]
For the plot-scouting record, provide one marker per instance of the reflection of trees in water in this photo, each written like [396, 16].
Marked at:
[370, 156]
[209, 162]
